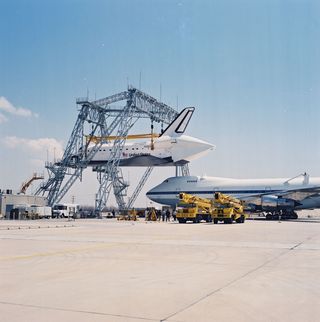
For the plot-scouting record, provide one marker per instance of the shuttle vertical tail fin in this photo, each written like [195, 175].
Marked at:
[180, 123]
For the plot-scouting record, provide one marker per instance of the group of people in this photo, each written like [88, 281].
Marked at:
[164, 215]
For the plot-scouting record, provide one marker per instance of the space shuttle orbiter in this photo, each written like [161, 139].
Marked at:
[172, 147]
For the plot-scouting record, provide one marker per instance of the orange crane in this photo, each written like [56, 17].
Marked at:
[26, 184]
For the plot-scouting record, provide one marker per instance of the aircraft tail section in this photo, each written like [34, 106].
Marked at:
[180, 123]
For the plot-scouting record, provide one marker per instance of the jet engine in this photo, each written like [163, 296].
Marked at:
[274, 203]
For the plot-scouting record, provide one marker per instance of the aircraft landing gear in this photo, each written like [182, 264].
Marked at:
[289, 215]
[273, 215]
[281, 215]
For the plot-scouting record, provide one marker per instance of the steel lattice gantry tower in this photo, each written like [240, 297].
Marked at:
[103, 120]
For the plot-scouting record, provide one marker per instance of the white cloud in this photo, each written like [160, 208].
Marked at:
[3, 119]
[38, 147]
[36, 163]
[7, 107]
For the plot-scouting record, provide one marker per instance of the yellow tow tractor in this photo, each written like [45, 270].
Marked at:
[227, 209]
[193, 208]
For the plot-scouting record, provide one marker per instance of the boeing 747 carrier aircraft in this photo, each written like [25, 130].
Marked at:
[275, 196]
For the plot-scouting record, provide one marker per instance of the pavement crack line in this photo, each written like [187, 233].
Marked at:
[78, 311]
[237, 279]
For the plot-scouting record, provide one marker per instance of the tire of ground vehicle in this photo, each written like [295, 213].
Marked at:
[228, 221]
[209, 219]
[181, 221]
[268, 216]
[198, 219]
[215, 220]
[241, 220]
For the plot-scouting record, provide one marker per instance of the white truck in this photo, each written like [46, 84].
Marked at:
[65, 210]
[43, 211]
[30, 212]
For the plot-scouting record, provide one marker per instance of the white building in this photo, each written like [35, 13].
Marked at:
[8, 201]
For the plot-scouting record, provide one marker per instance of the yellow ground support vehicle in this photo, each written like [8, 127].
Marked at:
[151, 215]
[223, 208]
[128, 215]
[193, 208]
[227, 209]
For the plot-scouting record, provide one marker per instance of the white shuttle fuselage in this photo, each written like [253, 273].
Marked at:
[166, 151]
[171, 148]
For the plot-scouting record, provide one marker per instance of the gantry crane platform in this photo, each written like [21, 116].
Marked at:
[100, 119]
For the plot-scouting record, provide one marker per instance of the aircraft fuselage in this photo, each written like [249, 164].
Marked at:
[168, 191]
[166, 151]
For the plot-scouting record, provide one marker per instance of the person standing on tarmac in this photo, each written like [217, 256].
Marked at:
[158, 213]
[174, 215]
[163, 214]
[168, 215]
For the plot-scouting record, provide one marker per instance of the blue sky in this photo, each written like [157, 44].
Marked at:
[251, 69]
